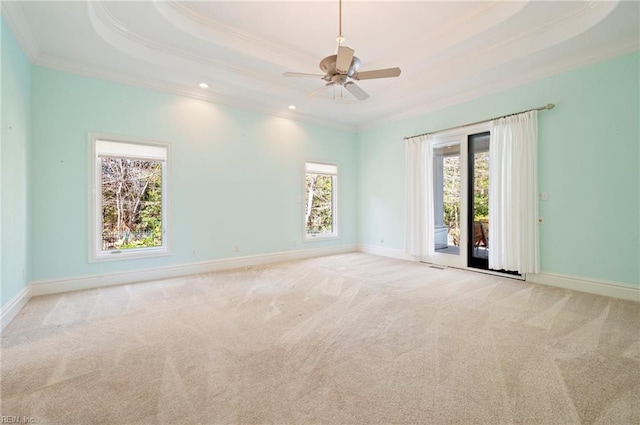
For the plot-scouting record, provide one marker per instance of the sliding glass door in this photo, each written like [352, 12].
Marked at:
[461, 198]
[458, 195]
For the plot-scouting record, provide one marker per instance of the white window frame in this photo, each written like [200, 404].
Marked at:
[310, 237]
[95, 202]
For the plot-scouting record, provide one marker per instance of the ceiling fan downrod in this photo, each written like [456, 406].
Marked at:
[340, 37]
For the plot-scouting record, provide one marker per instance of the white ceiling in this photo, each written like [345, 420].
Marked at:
[449, 51]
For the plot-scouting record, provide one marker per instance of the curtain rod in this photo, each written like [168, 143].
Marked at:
[541, 108]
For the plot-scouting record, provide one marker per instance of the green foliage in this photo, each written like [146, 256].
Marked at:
[451, 192]
[151, 210]
[319, 217]
[451, 197]
[131, 203]
[141, 243]
[481, 188]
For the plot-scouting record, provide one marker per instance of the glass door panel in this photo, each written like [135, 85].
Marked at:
[478, 219]
[447, 189]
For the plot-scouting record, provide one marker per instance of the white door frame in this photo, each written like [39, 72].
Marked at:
[459, 135]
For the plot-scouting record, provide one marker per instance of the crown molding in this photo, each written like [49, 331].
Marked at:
[57, 63]
[134, 44]
[54, 62]
[499, 51]
[21, 29]
[462, 29]
[401, 95]
[581, 18]
[413, 111]
[154, 52]
[189, 21]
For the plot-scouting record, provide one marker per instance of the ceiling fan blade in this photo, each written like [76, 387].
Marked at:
[302, 75]
[355, 90]
[320, 89]
[343, 62]
[377, 73]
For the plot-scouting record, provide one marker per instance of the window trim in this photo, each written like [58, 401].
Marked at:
[335, 234]
[95, 203]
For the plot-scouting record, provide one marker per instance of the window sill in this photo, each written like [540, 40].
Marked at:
[121, 255]
[320, 237]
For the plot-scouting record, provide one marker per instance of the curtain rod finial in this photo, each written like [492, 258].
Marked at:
[550, 106]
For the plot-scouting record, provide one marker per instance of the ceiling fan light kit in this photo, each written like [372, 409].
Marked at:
[342, 68]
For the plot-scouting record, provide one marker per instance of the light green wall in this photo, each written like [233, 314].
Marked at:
[236, 179]
[588, 163]
[15, 98]
[237, 176]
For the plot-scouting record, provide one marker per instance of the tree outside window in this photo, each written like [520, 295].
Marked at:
[129, 199]
[131, 203]
[320, 205]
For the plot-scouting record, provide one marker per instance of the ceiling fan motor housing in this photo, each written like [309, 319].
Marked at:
[340, 79]
[328, 66]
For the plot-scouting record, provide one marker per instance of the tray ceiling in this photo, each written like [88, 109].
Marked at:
[449, 51]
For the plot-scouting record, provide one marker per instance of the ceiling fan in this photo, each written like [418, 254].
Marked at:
[342, 69]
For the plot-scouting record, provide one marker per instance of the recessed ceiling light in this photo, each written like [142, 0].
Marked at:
[204, 85]
[292, 107]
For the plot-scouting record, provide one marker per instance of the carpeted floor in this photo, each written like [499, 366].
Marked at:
[347, 339]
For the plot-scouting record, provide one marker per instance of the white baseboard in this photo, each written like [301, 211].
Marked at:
[591, 286]
[385, 252]
[96, 281]
[11, 309]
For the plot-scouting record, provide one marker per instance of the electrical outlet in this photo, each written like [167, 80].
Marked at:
[540, 220]
[381, 240]
[236, 248]
[543, 196]
[194, 253]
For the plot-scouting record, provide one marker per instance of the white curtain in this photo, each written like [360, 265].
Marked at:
[419, 231]
[513, 194]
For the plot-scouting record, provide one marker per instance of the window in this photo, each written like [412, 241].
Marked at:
[128, 198]
[321, 200]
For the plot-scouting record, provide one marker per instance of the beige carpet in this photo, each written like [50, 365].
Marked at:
[348, 339]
